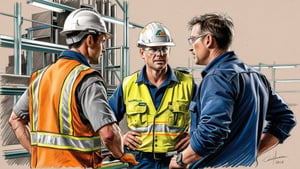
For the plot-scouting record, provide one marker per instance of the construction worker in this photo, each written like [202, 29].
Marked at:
[65, 105]
[155, 101]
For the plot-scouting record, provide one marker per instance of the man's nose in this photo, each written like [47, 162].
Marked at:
[103, 49]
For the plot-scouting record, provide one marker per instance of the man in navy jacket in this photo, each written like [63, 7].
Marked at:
[235, 115]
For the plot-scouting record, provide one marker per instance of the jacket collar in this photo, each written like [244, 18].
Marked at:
[227, 56]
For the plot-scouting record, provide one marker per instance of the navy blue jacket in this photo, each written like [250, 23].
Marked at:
[228, 113]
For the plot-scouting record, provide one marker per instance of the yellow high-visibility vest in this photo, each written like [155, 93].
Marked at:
[159, 127]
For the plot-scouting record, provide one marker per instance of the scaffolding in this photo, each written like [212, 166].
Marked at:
[112, 71]
[114, 62]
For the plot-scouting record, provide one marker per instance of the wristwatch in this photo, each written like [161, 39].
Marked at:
[179, 160]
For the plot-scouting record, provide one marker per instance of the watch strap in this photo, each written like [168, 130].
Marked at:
[179, 160]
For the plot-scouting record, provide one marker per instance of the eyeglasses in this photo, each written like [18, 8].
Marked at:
[192, 40]
[162, 50]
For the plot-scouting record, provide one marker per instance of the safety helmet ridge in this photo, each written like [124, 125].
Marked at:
[155, 34]
[83, 20]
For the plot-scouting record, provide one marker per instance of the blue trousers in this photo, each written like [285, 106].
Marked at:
[146, 162]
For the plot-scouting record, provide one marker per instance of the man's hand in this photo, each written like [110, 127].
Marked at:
[183, 141]
[130, 140]
[129, 158]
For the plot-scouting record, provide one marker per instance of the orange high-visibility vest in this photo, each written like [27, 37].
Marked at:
[58, 136]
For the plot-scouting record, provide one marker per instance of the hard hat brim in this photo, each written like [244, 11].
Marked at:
[157, 44]
[106, 34]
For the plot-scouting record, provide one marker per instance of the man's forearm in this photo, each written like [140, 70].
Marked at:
[21, 130]
[112, 139]
[268, 142]
[189, 155]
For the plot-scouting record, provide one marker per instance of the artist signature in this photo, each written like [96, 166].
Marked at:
[275, 159]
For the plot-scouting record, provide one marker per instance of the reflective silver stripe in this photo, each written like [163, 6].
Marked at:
[65, 142]
[35, 102]
[158, 128]
[65, 109]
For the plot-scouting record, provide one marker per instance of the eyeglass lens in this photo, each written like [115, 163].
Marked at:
[157, 50]
[192, 40]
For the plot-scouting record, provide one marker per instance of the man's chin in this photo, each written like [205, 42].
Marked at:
[94, 62]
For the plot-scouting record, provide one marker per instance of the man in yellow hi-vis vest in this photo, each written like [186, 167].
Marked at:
[155, 101]
[65, 105]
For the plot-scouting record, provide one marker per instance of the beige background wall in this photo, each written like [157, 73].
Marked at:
[266, 32]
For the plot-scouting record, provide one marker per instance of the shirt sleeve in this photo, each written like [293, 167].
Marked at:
[116, 102]
[21, 108]
[216, 113]
[280, 119]
[93, 98]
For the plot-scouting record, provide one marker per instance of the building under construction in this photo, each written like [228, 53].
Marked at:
[39, 44]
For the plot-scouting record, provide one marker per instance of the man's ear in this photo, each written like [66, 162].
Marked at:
[90, 40]
[210, 41]
[141, 51]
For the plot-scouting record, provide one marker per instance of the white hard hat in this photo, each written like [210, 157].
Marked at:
[84, 20]
[155, 34]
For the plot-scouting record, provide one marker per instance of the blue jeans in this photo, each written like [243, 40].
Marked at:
[146, 162]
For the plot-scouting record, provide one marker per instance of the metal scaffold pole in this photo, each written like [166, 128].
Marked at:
[17, 39]
[126, 39]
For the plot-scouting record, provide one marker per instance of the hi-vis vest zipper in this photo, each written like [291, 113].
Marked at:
[159, 127]
[56, 127]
